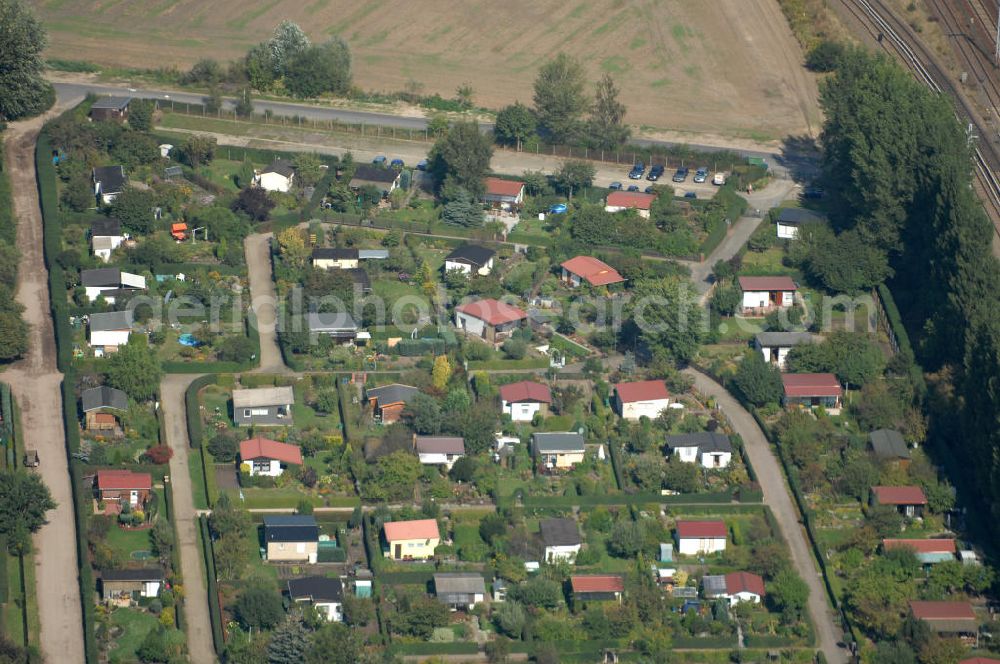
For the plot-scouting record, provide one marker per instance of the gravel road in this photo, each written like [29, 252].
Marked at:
[36, 381]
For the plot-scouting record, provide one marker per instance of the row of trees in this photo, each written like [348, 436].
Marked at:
[288, 61]
[924, 217]
[563, 111]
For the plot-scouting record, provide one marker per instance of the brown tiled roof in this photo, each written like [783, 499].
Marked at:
[643, 390]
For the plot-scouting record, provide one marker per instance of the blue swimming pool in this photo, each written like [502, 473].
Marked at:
[188, 340]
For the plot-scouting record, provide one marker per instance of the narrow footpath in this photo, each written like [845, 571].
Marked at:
[36, 384]
[197, 621]
[778, 496]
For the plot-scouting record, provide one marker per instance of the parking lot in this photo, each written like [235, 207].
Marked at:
[606, 176]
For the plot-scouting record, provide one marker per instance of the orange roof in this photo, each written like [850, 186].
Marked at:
[493, 312]
[767, 284]
[597, 583]
[123, 479]
[811, 385]
[744, 582]
[180, 226]
[421, 529]
[498, 187]
[630, 199]
[899, 495]
[263, 448]
[942, 610]
[598, 273]
[701, 529]
[921, 545]
[642, 390]
[525, 390]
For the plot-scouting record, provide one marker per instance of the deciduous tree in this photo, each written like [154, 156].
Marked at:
[134, 369]
[607, 117]
[560, 98]
[461, 158]
[514, 125]
[23, 89]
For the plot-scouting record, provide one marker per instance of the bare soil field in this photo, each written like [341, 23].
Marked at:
[729, 67]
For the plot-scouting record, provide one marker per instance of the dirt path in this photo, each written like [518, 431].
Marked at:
[264, 301]
[197, 620]
[36, 385]
[778, 497]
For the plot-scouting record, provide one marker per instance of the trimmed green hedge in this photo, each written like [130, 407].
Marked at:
[705, 642]
[501, 365]
[895, 322]
[406, 578]
[722, 498]
[214, 610]
[434, 649]
[192, 409]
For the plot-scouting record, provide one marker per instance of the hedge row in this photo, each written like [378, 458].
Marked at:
[807, 523]
[192, 408]
[434, 648]
[707, 642]
[895, 323]
[719, 498]
[214, 610]
[406, 578]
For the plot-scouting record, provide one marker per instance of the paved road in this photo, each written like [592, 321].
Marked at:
[769, 197]
[264, 301]
[36, 385]
[795, 158]
[197, 620]
[778, 497]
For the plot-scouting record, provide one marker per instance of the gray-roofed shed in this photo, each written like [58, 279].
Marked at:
[316, 589]
[334, 324]
[394, 393]
[560, 532]
[783, 339]
[705, 441]
[888, 444]
[111, 320]
[567, 441]
[795, 216]
[103, 397]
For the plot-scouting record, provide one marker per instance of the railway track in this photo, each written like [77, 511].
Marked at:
[896, 37]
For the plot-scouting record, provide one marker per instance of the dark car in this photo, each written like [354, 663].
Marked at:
[633, 187]
[690, 194]
[379, 160]
[650, 189]
[655, 172]
[637, 171]
[616, 186]
[681, 174]
[422, 165]
[396, 163]
[813, 192]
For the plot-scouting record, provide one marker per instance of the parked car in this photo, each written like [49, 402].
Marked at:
[655, 172]
[379, 160]
[701, 175]
[557, 208]
[637, 171]
[719, 179]
[397, 163]
[690, 194]
[615, 186]
[813, 192]
[681, 174]
[422, 165]
[633, 187]
[650, 189]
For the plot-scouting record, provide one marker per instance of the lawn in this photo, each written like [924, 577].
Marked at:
[134, 626]
[766, 262]
[221, 172]
[127, 541]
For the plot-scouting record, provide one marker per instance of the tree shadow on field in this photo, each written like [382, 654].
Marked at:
[801, 156]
